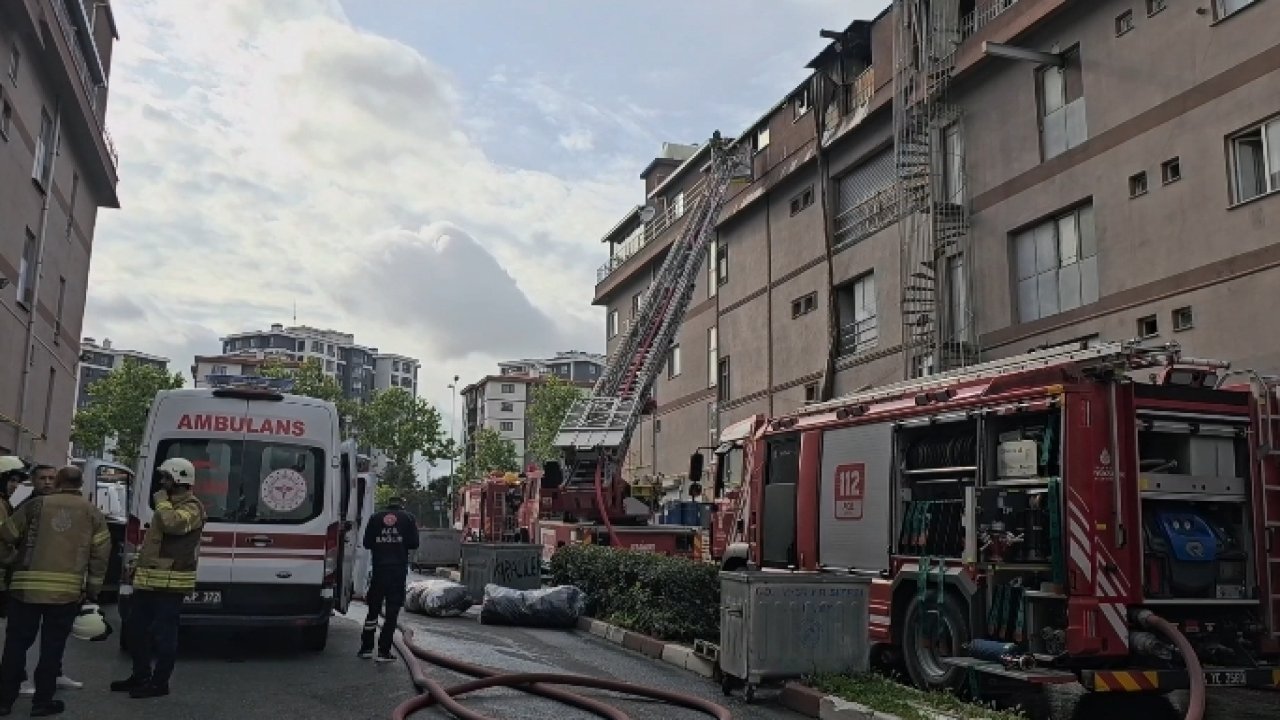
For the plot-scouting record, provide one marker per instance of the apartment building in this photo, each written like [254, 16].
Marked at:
[57, 168]
[1086, 176]
[360, 370]
[202, 366]
[571, 365]
[96, 362]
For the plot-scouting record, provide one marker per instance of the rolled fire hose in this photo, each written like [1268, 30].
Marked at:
[536, 683]
[1195, 673]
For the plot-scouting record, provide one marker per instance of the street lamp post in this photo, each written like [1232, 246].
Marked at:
[453, 417]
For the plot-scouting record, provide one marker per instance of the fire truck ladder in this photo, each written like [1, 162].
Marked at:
[597, 429]
[1126, 355]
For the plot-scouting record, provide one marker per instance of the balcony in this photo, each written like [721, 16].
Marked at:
[859, 336]
[867, 217]
[88, 68]
[986, 12]
[646, 233]
[858, 94]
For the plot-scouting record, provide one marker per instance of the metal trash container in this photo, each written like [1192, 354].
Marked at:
[782, 625]
[437, 548]
[511, 565]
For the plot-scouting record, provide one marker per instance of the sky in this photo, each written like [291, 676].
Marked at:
[433, 176]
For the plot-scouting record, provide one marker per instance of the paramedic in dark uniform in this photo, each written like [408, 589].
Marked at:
[390, 536]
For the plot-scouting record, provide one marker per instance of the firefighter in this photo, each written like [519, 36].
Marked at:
[62, 550]
[390, 536]
[12, 472]
[165, 573]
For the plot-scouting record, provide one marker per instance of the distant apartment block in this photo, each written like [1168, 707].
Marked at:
[1060, 196]
[57, 168]
[205, 365]
[360, 370]
[572, 365]
[96, 362]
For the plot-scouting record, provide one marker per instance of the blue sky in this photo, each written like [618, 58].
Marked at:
[432, 175]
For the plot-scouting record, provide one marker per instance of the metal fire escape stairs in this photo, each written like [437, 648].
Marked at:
[937, 320]
[597, 429]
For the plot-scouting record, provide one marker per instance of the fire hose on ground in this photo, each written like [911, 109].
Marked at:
[542, 684]
[1195, 673]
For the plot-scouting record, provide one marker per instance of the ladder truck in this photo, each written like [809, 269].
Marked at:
[589, 492]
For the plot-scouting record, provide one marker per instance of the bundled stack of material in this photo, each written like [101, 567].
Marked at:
[557, 607]
[437, 597]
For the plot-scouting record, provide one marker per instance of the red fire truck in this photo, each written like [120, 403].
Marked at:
[1105, 514]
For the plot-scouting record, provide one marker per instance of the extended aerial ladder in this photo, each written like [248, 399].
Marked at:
[597, 429]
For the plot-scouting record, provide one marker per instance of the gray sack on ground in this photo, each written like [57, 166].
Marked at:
[436, 597]
[557, 607]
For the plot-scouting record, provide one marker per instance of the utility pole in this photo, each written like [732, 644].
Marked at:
[453, 417]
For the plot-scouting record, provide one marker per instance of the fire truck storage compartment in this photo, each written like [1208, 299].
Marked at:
[937, 466]
[1195, 509]
[517, 566]
[782, 625]
[782, 471]
[855, 508]
[1020, 491]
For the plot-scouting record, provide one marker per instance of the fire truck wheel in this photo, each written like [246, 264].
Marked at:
[923, 649]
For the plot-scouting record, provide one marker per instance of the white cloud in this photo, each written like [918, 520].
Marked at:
[272, 154]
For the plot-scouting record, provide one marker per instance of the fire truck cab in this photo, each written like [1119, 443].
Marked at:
[1105, 514]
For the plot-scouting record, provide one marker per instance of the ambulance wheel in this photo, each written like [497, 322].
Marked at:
[925, 644]
[315, 637]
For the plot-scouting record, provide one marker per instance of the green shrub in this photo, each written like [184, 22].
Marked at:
[668, 598]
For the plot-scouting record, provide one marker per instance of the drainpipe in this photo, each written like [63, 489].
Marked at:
[28, 350]
[826, 390]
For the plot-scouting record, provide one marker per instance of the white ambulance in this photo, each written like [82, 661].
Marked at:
[278, 487]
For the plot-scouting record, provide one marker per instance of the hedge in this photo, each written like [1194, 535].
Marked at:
[668, 598]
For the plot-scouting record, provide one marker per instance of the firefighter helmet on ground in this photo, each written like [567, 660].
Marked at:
[180, 469]
[91, 625]
[12, 465]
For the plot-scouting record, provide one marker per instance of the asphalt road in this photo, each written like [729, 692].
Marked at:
[1222, 704]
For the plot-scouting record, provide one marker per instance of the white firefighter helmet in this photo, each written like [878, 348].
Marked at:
[12, 464]
[91, 625]
[180, 469]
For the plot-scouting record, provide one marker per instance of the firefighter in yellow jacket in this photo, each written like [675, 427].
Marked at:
[62, 547]
[165, 573]
[12, 472]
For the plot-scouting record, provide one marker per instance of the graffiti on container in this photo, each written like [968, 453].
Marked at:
[507, 570]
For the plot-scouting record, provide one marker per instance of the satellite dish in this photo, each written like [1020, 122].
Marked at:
[647, 213]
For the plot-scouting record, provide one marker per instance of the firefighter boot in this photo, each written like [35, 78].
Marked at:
[45, 708]
[366, 640]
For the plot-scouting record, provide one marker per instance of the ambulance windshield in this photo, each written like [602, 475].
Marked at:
[253, 481]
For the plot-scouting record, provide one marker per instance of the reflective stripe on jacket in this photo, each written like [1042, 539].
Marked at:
[170, 551]
[62, 548]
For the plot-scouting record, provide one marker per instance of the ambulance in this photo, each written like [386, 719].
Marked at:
[280, 492]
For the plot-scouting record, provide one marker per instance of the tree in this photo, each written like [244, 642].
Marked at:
[493, 453]
[548, 405]
[118, 407]
[403, 425]
[310, 380]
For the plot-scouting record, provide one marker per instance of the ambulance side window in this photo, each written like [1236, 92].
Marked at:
[217, 464]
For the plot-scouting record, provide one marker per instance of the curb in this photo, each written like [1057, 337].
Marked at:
[680, 656]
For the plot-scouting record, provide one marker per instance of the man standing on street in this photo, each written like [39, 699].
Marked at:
[390, 536]
[62, 549]
[166, 572]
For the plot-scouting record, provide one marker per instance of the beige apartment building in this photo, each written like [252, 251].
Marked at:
[1095, 169]
[57, 167]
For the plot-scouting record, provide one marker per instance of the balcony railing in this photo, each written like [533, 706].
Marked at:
[645, 234]
[859, 336]
[867, 217]
[96, 92]
[983, 15]
[859, 92]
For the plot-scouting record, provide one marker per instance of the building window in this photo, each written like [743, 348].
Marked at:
[1138, 184]
[62, 302]
[27, 272]
[804, 305]
[15, 61]
[713, 353]
[506, 426]
[1061, 98]
[1124, 22]
[1183, 319]
[802, 102]
[722, 384]
[508, 407]
[801, 201]
[508, 388]
[762, 139]
[1171, 171]
[635, 304]
[856, 312]
[1255, 160]
[613, 323]
[1057, 265]
[219, 370]
[866, 200]
[811, 392]
[42, 170]
[6, 116]
[1148, 327]
[953, 185]
[713, 253]
[722, 263]
[673, 361]
[1223, 8]
[1155, 6]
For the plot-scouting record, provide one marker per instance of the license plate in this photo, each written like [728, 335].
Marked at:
[1225, 678]
[203, 597]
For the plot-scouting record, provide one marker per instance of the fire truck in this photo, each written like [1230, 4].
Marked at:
[1104, 514]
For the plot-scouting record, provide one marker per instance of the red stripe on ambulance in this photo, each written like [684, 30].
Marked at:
[239, 424]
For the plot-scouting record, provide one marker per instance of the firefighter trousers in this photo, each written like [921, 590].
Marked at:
[153, 634]
[386, 586]
[52, 623]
